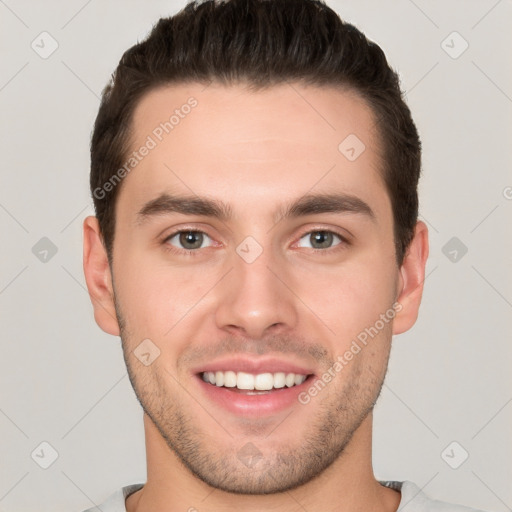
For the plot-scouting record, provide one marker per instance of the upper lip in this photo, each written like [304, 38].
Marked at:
[254, 366]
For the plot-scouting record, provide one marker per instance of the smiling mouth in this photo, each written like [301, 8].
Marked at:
[253, 384]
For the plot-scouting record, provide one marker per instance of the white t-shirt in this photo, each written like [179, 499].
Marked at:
[412, 497]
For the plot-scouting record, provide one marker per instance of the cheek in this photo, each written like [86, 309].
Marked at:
[154, 297]
[349, 298]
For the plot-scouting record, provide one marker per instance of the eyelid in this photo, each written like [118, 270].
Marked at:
[344, 239]
[186, 229]
[342, 234]
[195, 227]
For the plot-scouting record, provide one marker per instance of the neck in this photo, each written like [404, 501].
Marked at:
[347, 485]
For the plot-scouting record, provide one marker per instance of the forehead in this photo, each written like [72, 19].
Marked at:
[251, 147]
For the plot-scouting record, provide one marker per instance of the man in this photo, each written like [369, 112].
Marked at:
[256, 245]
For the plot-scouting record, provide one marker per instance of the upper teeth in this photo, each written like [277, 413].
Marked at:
[261, 381]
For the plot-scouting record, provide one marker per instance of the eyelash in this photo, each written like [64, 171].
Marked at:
[344, 242]
[182, 252]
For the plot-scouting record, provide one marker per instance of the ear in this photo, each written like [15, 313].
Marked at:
[411, 278]
[98, 277]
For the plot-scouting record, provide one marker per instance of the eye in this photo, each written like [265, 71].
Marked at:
[188, 240]
[321, 239]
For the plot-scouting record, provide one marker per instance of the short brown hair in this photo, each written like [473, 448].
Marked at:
[261, 43]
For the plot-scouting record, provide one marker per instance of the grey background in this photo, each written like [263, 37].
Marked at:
[63, 381]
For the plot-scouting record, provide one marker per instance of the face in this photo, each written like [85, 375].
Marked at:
[253, 251]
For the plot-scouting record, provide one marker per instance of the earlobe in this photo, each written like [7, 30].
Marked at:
[98, 277]
[412, 276]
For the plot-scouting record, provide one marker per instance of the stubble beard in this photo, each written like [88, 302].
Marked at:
[340, 410]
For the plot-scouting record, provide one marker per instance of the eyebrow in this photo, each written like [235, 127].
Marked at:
[186, 205]
[310, 204]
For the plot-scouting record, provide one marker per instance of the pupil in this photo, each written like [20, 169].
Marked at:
[322, 238]
[191, 239]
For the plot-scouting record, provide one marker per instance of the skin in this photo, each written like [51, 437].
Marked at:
[257, 152]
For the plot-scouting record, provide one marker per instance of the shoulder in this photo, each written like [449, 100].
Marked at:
[417, 501]
[116, 501]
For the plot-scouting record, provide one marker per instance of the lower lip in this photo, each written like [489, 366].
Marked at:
[243, 404]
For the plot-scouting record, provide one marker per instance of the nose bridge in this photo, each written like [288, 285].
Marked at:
[253, 298]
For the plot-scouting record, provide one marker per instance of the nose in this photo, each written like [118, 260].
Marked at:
[256, 298]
